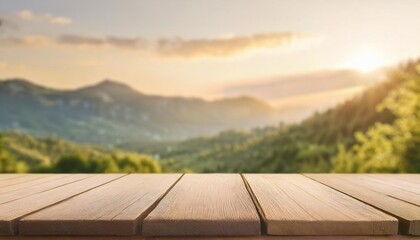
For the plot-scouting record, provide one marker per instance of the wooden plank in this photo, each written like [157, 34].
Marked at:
[205, 205]
[408, 177]
[15, 192]
[379, 195]
[399, 181]
[19, 180]
[405, 191]
[10, 212]
[4, 176]
[116, 208]
[292, 204]
[32, 182]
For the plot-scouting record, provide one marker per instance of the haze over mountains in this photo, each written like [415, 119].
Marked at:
[298, 96]
[360, 135]
[111, 113]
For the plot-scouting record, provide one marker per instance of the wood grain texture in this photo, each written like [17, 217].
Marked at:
[4, 176]
[205, 205]
[116, 208]
[293, 204]
[25, 189]
[380, 191]
[396, 186]
[11, 211]
[7, 182]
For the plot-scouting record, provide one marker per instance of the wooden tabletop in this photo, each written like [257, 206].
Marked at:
[251, 206]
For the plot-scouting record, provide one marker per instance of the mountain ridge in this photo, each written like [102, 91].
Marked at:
[308, 146]
[107, 84]
[110, 112]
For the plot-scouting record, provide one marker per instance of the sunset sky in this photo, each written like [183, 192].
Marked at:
[209, 48]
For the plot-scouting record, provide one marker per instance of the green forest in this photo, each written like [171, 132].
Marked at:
[377, 131]
[20, 153]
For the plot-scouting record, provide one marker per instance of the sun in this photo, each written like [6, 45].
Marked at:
[365, 61]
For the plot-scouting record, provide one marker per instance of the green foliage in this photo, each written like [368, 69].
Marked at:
[8, 163]
[392, 147]
[73, 164]
[24, 153]
[341, 161]
[377, 131]
[131, 163]
[318, 144]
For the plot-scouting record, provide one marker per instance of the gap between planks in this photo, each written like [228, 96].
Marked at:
[154, 205]
[402, 223]
[45, 190]
[296, 214]
[245, 182]
[112, 224]
[261, 214]
[193, 208]
[15, 223]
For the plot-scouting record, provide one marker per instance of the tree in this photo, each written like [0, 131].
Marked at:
[391, 147]
[8, 163]
[72, 164]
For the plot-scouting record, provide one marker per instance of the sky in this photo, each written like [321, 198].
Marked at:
[284, 52]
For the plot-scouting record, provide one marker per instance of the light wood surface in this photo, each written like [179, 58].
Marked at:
[394, 187]
[4, 176]
[398, 186]
[11, 211]
[116, 208]
[208, 206]
[8, 181]
[296, 205]
[204, 205]
[400, 202]
[14, 192]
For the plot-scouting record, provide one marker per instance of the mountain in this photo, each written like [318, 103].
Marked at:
[25, 153]
[376, 131]
[298, 96]
[113, 113]
[309, 146]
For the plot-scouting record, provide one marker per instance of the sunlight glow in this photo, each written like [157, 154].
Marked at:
[365, 61]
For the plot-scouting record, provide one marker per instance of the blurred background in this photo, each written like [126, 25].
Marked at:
[209, 86]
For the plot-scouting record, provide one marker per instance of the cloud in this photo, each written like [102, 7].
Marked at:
[43, 17]
[281, 87]
[6, 24]
[298, 96]
[297, 108]
[27, 41]
[99, 41]
[175, 47]
[74, 40]
[226, 46]
[194, 48]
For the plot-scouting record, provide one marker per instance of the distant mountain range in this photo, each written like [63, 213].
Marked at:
[113, 113]
[308, 146]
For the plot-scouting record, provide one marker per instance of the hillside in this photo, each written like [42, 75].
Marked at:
[24, 153]
[377, 131]
[309, 146]
[112, 113]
